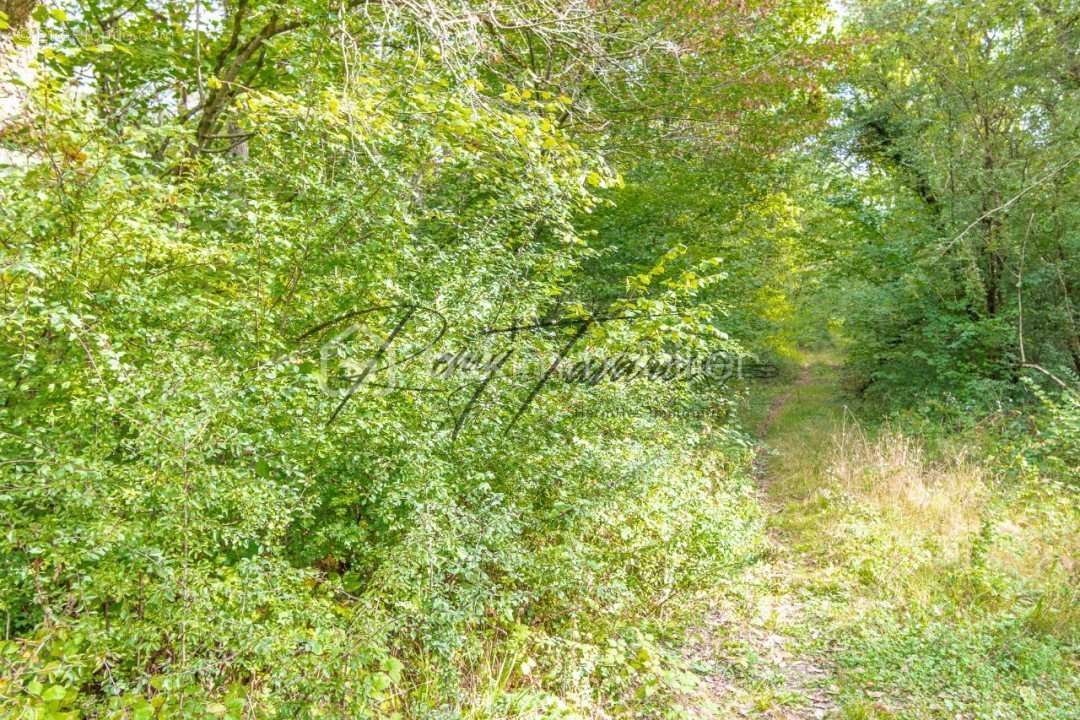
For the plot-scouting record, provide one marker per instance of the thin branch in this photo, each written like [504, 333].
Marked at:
[1008, 203]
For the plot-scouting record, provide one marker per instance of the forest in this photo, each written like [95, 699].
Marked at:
[540, 359]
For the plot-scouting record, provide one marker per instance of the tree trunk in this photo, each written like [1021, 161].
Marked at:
[15, 72]
[18, 12]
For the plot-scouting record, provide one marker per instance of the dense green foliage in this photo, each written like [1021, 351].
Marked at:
[203, 515]
[962, 224]
[207, 188]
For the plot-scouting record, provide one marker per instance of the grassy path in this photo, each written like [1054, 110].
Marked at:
[760, 629]
[873, 598]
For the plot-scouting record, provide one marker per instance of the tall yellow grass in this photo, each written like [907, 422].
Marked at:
[1029, 530]
[891, 472]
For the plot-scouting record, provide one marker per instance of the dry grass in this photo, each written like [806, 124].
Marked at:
[890, 473]
[932, 517]
[926, 567]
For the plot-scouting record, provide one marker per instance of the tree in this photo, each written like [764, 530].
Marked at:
[983, 139]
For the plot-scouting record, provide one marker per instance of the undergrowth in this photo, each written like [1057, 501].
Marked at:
[944, 574]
